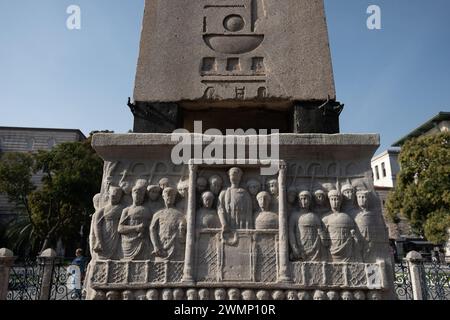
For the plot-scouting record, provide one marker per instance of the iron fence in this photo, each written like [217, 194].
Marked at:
[434, 280]
[403, 286]
[26, 280]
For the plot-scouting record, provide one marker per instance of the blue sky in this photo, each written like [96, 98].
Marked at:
[391, 80]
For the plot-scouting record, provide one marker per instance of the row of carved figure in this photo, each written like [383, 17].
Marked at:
[336, 236]
[319, 230]
[234, 294]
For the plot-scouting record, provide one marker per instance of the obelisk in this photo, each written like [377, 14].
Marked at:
[268, 59]
[215, 224]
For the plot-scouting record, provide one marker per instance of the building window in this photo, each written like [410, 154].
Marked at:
[377, 173]
[383, 169]
[51, 143]
[30, 144]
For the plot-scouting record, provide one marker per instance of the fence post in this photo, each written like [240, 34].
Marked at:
[47, 260]
[6, 261]
[417, 273]
[447, 247]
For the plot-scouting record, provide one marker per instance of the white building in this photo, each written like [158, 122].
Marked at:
[385, 168]
[439, 123]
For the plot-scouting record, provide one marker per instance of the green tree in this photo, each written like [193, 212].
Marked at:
[72, 175]
[16, 170]
[422, 193]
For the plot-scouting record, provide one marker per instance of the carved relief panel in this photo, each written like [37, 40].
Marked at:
[228, 224]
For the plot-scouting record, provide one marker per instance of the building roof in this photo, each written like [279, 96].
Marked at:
[393, 151]
[430, 124]
[78, 131]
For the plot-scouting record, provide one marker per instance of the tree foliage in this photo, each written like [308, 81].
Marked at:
[422, 193]
[59, 208]
[16, 170]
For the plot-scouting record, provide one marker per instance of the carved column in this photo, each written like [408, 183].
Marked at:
[6, 261]
[283, 275]
[417, 273]
[47, 260]
[447, 247]
[190, 232]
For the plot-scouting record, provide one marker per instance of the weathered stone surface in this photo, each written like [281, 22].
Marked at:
[48, 253]
[231, 228]
[6, 261]
[447, 247]
[4, 252]
[239, 51]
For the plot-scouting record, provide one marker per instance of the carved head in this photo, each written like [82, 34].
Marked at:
[347, 192]
[169, 195]
[115, 195]
[203, 294]
[333, 295]
[127, 295]
[304, 198]
[126, 186]
[320, 295]
[335, 200]
[192, 294]
[291, 295]
[215, 184]
[304, 295]
[234, 294]
[278, 295]
[178, 294]
[96, 201]
[272, 186]
[138, 194]
[253, 186]
[154, 191]
[220, 294]
[108, 182]
[152, 294]
[182, 228]
[248, 295]
[320, 197]
[141, 295]
[99, 295]
[347, 295]
[359, 295]
[374, 295]
[362, 196]
[292, 195]
[264, 199]
[235, 175]
[112, 295]
[164, 183]
[167, 294]
[202, 184]
[207, 199]
[262, 295]
[183, 188]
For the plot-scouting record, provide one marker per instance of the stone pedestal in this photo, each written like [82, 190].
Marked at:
[447, 247]
[6, 262]
[195, 243]
[417, 273]
[47, 260]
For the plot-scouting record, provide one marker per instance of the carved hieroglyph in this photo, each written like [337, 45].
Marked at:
[235, 50]
[238, 234]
